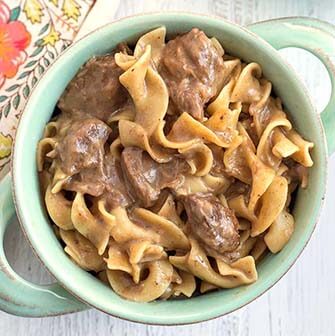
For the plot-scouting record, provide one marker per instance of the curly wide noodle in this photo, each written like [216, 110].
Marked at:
[161, 259]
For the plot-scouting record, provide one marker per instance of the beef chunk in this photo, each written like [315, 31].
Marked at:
[140, 172]
[83, 145]
[116, 193]
[212, 223]
[236, 189]
[107, 181]
[296, 173]
[193, 71]
[145, 177]
[87, 181]
[95, 90]
[124, 48]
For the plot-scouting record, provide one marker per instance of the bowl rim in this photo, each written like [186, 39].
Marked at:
[15, 166]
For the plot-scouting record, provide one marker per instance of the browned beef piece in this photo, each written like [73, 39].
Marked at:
[83, 145]
[106, 180]
[296, 173]
[95, 90]
[193, 71]
[213, 224]
[145, 177]
[87, 181]
[82, 155]
[237, 188]
[116, 193]
[124, 48]
[140, 173]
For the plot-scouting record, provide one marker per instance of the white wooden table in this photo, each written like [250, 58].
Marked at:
[303, 302]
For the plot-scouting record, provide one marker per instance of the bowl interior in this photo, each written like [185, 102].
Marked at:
[39, 109]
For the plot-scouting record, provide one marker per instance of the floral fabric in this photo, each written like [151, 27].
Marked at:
[32, 34]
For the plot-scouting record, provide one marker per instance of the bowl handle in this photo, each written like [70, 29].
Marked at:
[313, 35]
[18, 296]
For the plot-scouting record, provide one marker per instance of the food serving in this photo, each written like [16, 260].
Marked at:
[169, 169]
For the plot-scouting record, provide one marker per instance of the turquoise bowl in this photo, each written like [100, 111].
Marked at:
[20, 297]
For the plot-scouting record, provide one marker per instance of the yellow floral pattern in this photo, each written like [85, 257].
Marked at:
[52, 37]
[5, 145]
[52, 24]
[33, 10]
[71, 9]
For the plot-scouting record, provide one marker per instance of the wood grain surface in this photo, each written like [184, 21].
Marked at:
[302, 302]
